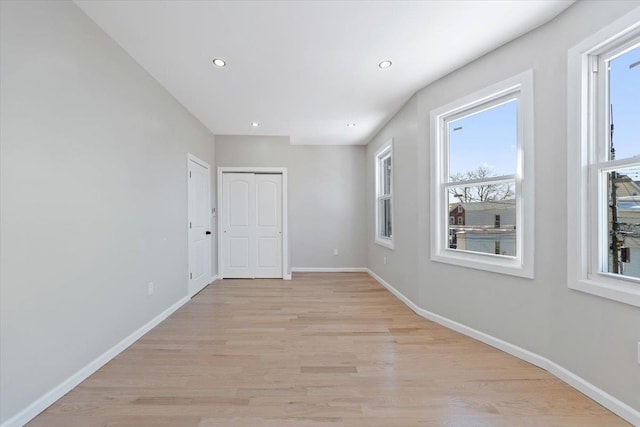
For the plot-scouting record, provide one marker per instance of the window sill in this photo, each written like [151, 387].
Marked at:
[616, 290]
[387, 243]
[488, 262]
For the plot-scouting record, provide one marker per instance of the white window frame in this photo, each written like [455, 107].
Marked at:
[385, 150]
[586, 121]
[517, 87]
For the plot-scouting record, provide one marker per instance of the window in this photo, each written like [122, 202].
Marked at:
[452, 220]
[460, 220]
[604, 162]
[384, 196]
[481, 154]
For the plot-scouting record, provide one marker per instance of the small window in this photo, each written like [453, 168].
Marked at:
[496, 248]
[460, 209]
[482, 158]
[452, 220]
[605, 161]
[384, 195]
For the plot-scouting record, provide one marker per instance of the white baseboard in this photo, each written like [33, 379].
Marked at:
[213, 278]
[329, 270]
[284, 277]
[30, 412]
[605, 399]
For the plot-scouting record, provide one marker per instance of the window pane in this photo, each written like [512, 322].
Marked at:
[476, 209]
[386, 175]
[384, 207]
[484, 144]
[624, 93]
[623, 219]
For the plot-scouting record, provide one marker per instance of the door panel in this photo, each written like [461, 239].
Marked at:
[239, 200]
[239, 252]
[199, 213]
[267, 203]
[238, 230]
[269, 225]
[267, 250]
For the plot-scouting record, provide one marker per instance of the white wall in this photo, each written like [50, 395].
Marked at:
[93, 185]
[326, 201]
[256, 151]
[593, 337]
[401, 269]
[327, 206]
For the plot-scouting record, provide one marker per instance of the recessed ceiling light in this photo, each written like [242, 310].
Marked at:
[219, 62]
[255, 124]
[350, 125]
[385, 64]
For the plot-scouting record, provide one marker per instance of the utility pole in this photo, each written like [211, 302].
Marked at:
[613, 177]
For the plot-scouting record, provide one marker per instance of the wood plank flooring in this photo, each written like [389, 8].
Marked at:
[330, 349]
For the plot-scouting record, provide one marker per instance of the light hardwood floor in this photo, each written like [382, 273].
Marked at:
[320, 350]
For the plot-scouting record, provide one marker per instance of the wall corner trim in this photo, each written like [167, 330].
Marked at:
[602, 397]
[46, 400]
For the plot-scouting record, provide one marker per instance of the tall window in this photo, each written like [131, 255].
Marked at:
[482, 162]
[617, 157]
[605, 159]
[384, 195]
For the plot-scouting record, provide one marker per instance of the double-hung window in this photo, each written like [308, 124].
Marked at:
[604, 163]
[384, 195]
[482, 162]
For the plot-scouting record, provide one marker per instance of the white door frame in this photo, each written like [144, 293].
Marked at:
[192, 158]
[286, 274]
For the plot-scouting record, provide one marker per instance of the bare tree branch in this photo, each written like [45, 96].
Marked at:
[482, 192]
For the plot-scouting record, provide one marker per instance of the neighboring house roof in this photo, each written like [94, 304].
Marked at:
[628, 188]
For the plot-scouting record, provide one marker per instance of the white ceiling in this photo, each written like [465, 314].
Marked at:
[305, 69]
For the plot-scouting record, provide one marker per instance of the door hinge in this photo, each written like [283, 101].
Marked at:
[189, 224]
[190, 275]
[594, 65]
[189, 174]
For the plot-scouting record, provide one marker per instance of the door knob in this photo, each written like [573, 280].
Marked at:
[207, 232]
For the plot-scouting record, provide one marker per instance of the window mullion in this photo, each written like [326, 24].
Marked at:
[612, 165]
[487, 180]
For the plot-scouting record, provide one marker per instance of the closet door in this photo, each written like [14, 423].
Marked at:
[238, 225]
[268, 225]
[251, 225]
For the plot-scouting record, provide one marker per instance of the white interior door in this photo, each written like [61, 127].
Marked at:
[268, 225]
[199, 212]
[251, 234]
[238, 225]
